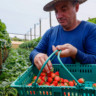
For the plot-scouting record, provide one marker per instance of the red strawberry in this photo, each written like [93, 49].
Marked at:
[44, 78]
[30, 84]
[49, 79]
[53, 75]
[57, 73]
[94, 85]
[57, 78]
[81, 80]
[71, 83]
[62, 84]
[42, 82]
[61, 80]
[52, 84]
[34, 78]
[43, 74]
[66, 81]
[47, 83]
[49, 74]
[55, 83]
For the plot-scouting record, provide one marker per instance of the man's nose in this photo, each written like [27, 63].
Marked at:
[59, 15]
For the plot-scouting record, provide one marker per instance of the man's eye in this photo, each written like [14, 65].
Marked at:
[64, 9]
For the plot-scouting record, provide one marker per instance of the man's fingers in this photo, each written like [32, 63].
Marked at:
[62, 47]
[65, 53]
[49, 63]
[46, 67]
[54, 49]
[39, 64]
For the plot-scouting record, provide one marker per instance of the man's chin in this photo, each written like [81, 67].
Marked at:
[63, 24]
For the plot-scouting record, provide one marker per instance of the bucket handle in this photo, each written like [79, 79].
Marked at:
[67, 69]
[36, 85]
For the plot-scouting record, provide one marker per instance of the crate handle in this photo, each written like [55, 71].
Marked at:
[35, 84]
[68, 70]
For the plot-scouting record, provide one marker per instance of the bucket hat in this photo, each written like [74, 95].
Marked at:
[50, 6]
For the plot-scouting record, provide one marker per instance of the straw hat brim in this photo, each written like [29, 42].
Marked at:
[50, 5]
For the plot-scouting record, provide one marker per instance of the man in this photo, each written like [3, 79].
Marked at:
[76, 39]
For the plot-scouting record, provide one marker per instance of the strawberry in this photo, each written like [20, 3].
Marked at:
[43, 74]
[81, 80]
[57, 78]
[53, 75]
[55, 83]
[94, 85]
[47, 83]
[52, 84]
[66, 81]
[34, 78]
[30, 84]
[49, 79]
[57, 73]
[44, 78]
[49, 74]
[71, 83]
[61, 80]
[62, 84]
[42, 82]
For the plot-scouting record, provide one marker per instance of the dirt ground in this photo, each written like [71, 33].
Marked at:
[15, 44]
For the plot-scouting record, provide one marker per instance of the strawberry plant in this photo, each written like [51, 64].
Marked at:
[16, 63]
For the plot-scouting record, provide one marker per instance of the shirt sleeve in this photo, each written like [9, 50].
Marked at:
[89, 56]
[41, 47]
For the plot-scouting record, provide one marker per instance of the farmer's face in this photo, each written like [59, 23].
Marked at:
[66, 13]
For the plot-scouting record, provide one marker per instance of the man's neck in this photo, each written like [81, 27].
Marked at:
[74, 25]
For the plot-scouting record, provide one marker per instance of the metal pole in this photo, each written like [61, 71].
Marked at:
[50, 19]
[40, 26]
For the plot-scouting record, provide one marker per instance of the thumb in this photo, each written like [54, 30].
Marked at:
[54, 48]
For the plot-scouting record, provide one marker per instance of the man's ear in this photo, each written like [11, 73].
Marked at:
[77, 7]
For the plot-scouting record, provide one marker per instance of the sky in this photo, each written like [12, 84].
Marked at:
[21, 15]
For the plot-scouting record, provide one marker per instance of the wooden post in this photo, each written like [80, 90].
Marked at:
[40, 26]
[25, 37]
[30, 33]
[50, 19]
[34, 31]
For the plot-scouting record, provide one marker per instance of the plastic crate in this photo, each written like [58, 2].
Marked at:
[86, 71]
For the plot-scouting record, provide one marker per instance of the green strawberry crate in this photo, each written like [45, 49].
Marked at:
[68, 71]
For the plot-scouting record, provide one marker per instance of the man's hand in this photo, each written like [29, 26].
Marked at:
[39, 61]
[67, 50]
